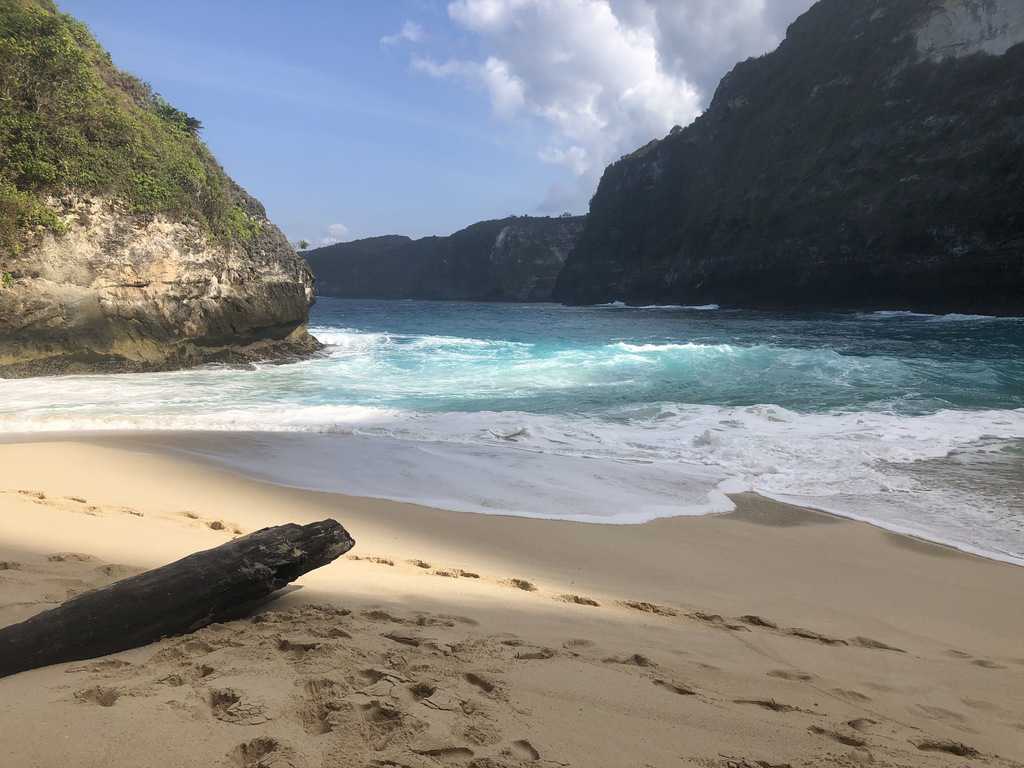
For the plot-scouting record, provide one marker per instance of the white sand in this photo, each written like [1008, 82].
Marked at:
[378, 664]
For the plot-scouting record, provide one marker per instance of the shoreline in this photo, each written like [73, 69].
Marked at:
[193, 445]
[772, 633]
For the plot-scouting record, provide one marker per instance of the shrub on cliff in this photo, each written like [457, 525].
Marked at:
[71, 122]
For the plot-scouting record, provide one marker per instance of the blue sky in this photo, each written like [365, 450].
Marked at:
[345, 127]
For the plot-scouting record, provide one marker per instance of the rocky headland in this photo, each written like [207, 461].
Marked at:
[874, 160]
[514, 259]
[124, 246]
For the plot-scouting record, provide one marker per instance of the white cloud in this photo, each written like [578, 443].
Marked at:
[701, 40]
[411, 32]
[335, 234]
[575, 158]
[505, 89]
[604, 77]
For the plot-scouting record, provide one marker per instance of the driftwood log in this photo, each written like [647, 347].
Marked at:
[215, 585]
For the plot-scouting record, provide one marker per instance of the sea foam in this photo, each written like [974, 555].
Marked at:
[611, 417]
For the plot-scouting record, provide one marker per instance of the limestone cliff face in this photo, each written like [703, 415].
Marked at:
[514, 259]
[876, 159]
[124, 246]
[122, 292]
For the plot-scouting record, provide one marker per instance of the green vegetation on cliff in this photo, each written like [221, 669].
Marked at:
[71, 122]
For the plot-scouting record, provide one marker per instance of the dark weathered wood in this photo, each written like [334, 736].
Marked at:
[209, 586]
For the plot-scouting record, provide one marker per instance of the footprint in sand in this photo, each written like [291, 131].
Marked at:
[422, 690]
[99, 695]
[373, 559]
[876, 645]
[843, 738]
[482, 734]
[578, 600]
[674, 687]
[322, 702]
[261, 752]
[524, 750]
[376, 614]
[381, 715]
[296, 648]
[770, 704]
[455, 573]
[577, 642]
[986, 664]
[949, 747]
[117, 571]
[985, 706]
[522, 584]
[70, 557]
[861, 723]
[426, 620]
[855, 697]
[787, 674]
[213, 525]
[716, 620]
[645, 607]
[809, 634]
[633, 660]
[227, 705]
[403, 639]
[535, 653]
[78, 504]
[479, 681]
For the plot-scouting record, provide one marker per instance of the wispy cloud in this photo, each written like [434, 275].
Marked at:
[504, 88]
[411, 32]
[336, 233]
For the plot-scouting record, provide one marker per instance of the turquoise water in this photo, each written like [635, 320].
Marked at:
[614, 414]
[552, 359]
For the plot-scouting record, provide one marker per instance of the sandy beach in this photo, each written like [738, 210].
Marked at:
[766, 637]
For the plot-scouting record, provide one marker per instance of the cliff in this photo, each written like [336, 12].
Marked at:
[123, 244]
[875, 160]
[514, 259]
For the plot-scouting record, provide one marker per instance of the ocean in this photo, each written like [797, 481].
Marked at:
[610, 414]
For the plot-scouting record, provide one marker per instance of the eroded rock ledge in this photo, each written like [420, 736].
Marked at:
[118, 293]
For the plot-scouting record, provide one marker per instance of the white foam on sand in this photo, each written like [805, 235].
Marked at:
[628, 466]
[667, 461]
[479, 478]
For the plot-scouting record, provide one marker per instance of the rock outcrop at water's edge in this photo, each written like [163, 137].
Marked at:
[875, 160]
[118, 292]
[124, 246]
[515, 259]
